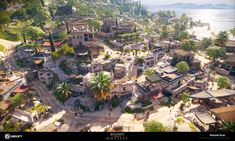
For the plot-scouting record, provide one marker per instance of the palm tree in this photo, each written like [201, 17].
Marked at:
[63, 91]
[228, 126]
[222, 39]
[101, 86]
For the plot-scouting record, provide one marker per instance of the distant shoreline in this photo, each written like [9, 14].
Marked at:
[202, 32]
[219, 20]
[196, 6]
[152, 7]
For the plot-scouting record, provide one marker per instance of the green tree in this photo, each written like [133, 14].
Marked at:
[52, 45]
[164, 33]
[23, 30]
[183, 35]
[17, 99]
[223, 82]
[149, 72]
[42, 3]
[34, 33]
[61, 2]
[33, 7]
[64, 66]
[182, 67]
[72, 2]
[205, 43]
[52, 10]
[63, 91]
[232, 31]
[42, 18]
[56, 55]
[94, 24]
[11, 127]
[154, 126]
[67, 50]
[184, 97]
[23, 33]
[4, 19]
[101, 86]
[63, 35]
[2, 48]
[215, 52]
[20, 14]
[189, 45]
[221, 39]
[228, 126]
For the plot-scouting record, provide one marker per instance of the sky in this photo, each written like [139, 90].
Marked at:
[161, 2]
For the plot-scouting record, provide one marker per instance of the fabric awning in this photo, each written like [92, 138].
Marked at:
[47, 44]
[214, 94]
[222, 93]
[201, 95]
[159, 95]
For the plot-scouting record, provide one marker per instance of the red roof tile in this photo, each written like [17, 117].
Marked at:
[47, 44]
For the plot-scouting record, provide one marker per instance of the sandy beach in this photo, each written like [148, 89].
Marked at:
[204, 32]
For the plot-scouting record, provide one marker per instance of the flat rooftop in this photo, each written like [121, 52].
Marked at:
[181, 52]
[169, 69]
[231, 43]
[81, 28]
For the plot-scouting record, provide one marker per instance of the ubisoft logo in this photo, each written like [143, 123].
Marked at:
[7, 136]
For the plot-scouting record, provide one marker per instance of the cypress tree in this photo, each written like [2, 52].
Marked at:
[116, 22]
[51, 42]
[67, 27]
[89, 55]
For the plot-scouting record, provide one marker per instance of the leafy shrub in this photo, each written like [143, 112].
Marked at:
[179, 120]
[2, 48]
[137, 110]
[154, 126]
[40, 108]
[192, 127]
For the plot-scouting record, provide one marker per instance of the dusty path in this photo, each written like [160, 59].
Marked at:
[9, 44]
